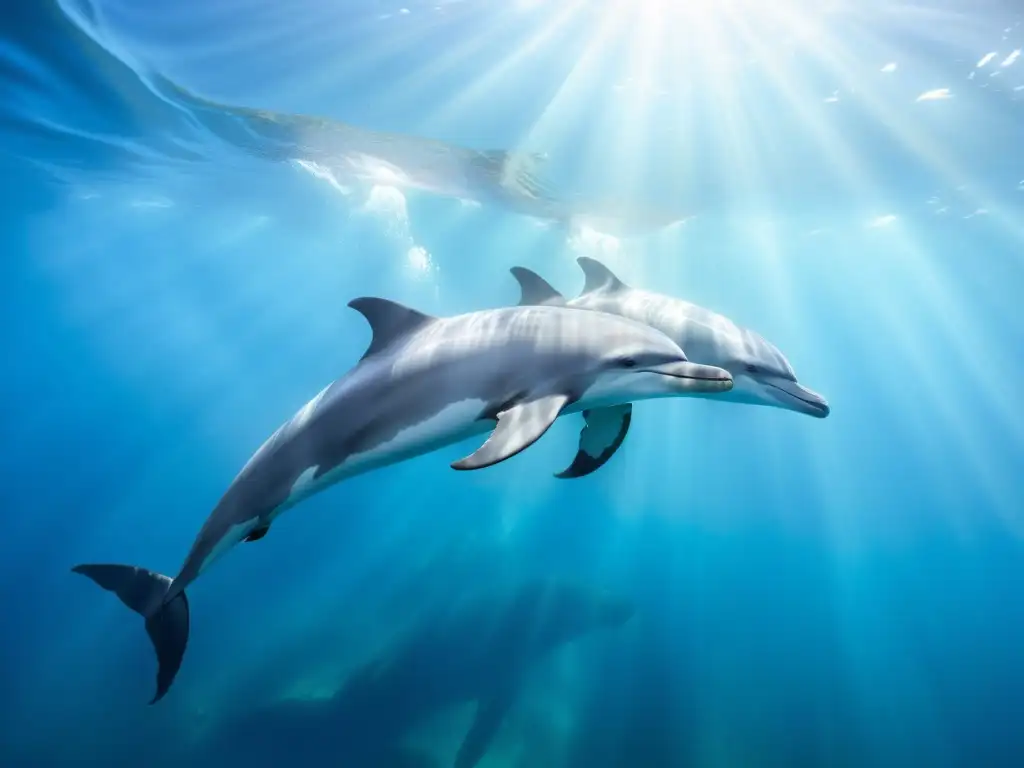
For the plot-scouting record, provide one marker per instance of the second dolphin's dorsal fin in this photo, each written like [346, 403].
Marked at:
[388, 320]
[598, 276]
[535, 289]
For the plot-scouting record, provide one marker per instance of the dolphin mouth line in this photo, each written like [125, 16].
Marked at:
[692, 378]
[818, 407]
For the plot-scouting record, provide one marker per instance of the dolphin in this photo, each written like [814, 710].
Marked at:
[353, 156]
[479, 649]
[423, 383]
[761, 373]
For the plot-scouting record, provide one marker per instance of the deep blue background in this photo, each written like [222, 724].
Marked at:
[839, 592]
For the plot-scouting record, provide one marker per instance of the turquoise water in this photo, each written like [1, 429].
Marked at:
[179, 249]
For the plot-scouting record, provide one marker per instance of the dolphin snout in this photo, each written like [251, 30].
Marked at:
[694, 377]
[797, 397]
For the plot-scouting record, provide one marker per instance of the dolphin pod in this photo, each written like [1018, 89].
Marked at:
[761, 373]
[427, 382]
[424, 382]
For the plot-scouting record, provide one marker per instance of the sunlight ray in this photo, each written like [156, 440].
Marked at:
[914, 268]
[916, 142]
[360, 65]
[746, 171]
[483, 84]
[746, 168]
[791, 84]
[634, 118]
[563, 110]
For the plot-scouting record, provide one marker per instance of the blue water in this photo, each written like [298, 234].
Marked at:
[838, 592]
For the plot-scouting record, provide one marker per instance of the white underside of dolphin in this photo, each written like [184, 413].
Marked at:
[423, 383]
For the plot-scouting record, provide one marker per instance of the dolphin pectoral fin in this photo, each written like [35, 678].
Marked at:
[519, 427]
[257, 533]
[600, 438]
[167, 623]
[489, 714]
[535, 289]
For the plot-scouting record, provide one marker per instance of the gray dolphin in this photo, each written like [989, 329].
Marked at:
[423, 383]
[761, 373]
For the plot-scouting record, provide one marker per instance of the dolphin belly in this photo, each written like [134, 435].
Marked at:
[452, 423]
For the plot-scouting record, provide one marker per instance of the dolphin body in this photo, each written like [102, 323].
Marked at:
[358, 158]
[361, 157]
[479, 649]
[761, 373]
[423, 383]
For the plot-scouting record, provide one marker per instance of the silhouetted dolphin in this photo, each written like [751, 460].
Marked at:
[761, 373]
[361, 157]
[423, 383]
[478, 651]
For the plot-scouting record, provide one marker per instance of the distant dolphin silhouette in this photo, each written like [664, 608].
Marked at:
[424, 383]
[357, 155]
[762, 374]
[478, 650]
[360, 157]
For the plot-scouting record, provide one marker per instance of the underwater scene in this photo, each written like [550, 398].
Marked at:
[512, 383]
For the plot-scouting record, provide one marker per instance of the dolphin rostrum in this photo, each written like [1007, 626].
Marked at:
[761, 373]
[423, 383]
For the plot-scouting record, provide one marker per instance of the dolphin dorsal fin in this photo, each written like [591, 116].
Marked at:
[388, 320]
[535, 289]
[598, 276]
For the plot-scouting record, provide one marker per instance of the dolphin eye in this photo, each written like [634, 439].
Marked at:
[627, 362]
[751, 368]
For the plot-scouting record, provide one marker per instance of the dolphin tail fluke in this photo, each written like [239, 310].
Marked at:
[167, 623]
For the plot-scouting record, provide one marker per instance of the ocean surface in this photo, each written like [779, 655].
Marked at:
[179, 245]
